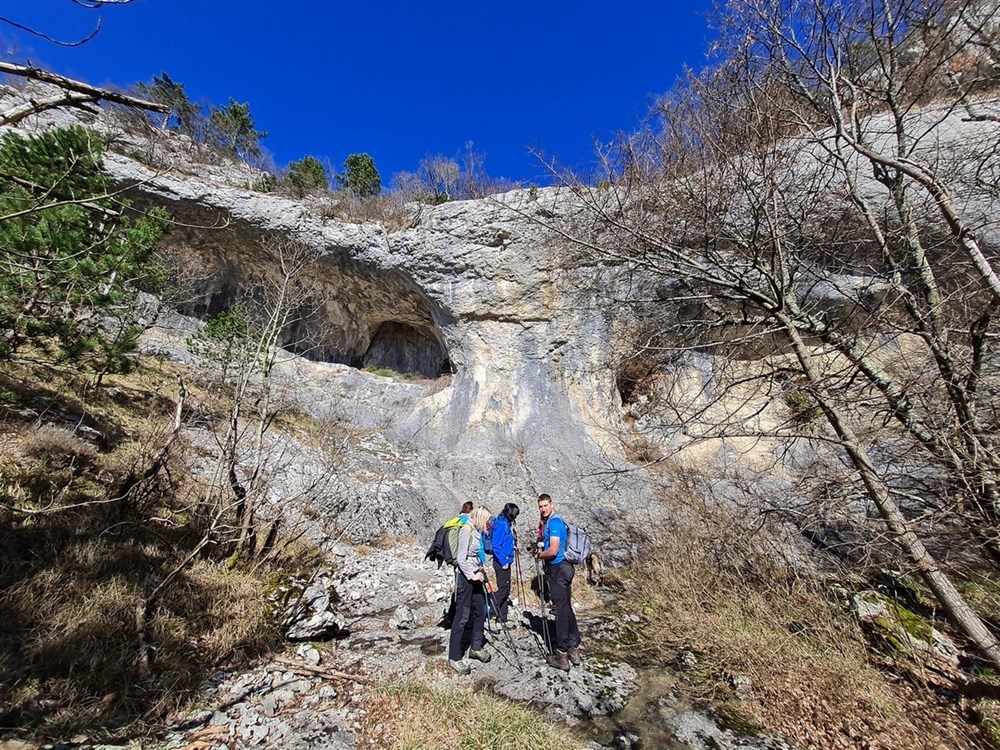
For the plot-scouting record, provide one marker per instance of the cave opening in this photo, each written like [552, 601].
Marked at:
[340, 310]
[407, 349]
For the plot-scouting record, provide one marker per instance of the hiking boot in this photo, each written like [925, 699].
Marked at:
[558, 660]
[479, 655]
[459, 666]
[575, 657]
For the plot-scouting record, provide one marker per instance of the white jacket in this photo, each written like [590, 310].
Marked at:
[468, 550]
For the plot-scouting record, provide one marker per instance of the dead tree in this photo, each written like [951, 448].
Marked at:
[245, 345]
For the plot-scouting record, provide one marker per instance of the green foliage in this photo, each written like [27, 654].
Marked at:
[228, 339]
[233, 130]
[70, 256]
[230, 128]
[307, 175]
[803, 407]
[184, 117]
[360, 175]
[264, 182]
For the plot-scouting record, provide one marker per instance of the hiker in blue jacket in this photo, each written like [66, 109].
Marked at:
[503, 559]
[470, 594]
[559, 579]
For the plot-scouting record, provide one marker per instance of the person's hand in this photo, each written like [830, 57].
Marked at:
[490, 587]
[505, 567]
[478, 576]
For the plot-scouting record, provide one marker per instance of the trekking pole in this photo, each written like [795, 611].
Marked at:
[489, 628]
[510, 637]
[541, 600]
[517, 566]
[519, 586]
[486, 591]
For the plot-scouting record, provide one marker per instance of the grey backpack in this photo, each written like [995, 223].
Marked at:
[577, 545]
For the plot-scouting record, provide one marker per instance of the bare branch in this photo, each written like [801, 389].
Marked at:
[47, 38]
[92, 92]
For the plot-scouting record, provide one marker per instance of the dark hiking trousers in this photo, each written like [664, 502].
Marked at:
[470, 614]
[502, 595]
[560, 581]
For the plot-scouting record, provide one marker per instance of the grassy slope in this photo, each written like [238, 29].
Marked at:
[78, 561]
[807, 668]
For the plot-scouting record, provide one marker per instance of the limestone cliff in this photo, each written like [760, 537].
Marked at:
[518, 392]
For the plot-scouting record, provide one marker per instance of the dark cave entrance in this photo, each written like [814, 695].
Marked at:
[406, 349]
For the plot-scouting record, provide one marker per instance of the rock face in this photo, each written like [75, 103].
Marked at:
[517, 394]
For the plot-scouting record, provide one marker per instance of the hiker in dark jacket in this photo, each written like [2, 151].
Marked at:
[470, 594]
[503, 558]
[559, 580]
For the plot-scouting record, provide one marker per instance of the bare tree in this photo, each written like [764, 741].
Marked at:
[811, 205]
[439, 179]
[244, 342]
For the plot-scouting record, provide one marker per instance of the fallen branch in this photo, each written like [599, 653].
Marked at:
[295, 666]
[89, 94]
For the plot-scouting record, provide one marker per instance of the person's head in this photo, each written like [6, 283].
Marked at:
[510, 511]
[545, 506]
[480, 517]
[467, 507]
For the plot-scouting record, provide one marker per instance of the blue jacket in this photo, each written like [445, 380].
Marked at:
[555, 527]
[503, 541]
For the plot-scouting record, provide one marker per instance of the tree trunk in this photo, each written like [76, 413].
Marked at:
[950, 598]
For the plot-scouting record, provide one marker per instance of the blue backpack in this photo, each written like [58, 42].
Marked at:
[488, 538]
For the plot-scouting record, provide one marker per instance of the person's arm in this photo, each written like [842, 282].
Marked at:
[552, 550]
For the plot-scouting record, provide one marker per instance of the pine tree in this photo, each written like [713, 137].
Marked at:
[360, 175]
[70, 256]
[307, 175]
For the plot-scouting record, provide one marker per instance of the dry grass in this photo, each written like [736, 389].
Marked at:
[393, 211]
[391, 541]
[585, 596]
[78, 563]
[57, 446]
[812, 678]
[415, 716]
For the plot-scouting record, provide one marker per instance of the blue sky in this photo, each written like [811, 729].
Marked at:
[398, 80]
